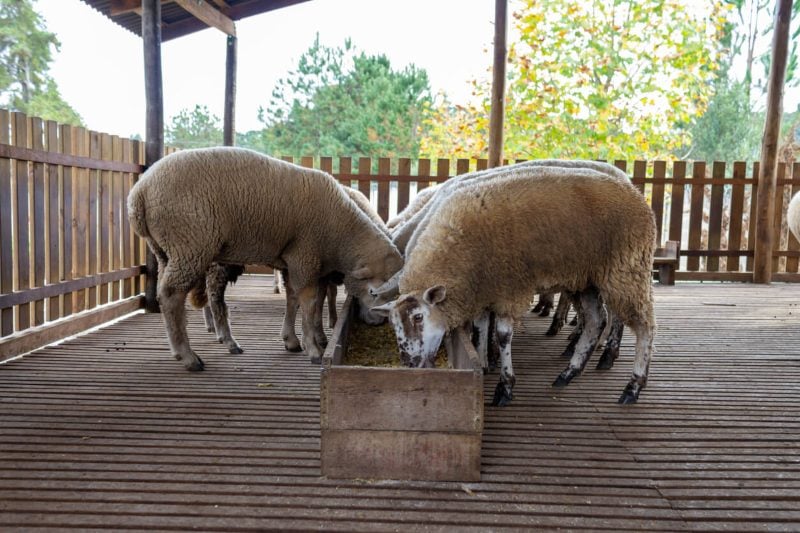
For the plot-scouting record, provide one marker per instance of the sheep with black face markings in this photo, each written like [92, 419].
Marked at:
[236, 206]
[594, 235]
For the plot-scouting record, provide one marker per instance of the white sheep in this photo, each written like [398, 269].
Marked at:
[793, 216]
[236, 206]
[549, 229]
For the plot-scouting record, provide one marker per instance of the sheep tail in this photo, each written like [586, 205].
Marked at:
[136, 214]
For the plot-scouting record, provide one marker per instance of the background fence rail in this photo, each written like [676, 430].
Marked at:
[69, 258]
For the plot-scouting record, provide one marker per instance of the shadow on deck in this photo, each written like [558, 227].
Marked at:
[108, 431]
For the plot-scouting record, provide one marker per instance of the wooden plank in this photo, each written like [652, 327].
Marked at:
[753, 217]
[307, 162]
[127, 250]
[37, 337]
[137, 151]
[54, 235]
[676, 204]
[20, 137]
[403, 187]
[80, 213]
[345, 167]
[657, 197]
[209, 15]
[715, 215]
[481, 164]
[81, 161]
[780, 172]
[326, 164]
[793, 244]
[639, 175]
[118, 200]
[105, 220]
[396, 455]
[384, 169]
[736, 216]
[696, 215]
[367, 398]
[423, 172]
[38, 220]
[66, 231]
[6, 234]
[364, 172]
[498, 96]
[442, 170]
[93, 227]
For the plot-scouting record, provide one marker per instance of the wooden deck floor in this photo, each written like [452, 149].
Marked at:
[107, 431]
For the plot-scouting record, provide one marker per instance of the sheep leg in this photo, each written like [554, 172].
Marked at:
[208, 318]
[308, 296]
[319, 332]
[576, 333]
[504, 327]
[276, 281]
[290, 340]
[560, 316]
[545, 304]
[216, 283]
[594, 321]
[645, 331]
[611, 350]
[333, 316]
[480, 335]
[173, 286]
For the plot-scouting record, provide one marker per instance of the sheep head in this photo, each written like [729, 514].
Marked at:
[418, 324]
[366, 279]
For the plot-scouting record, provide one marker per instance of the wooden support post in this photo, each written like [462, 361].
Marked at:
[229, 115]
[498, 85]
[154, 146]
[765, 207]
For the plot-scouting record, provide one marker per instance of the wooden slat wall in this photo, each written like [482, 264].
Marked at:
[62, 219]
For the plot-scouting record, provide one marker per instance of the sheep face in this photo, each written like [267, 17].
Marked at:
[418, 324]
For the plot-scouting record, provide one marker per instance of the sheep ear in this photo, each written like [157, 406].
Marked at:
[362, 273]
[434, 295]
[383, 310]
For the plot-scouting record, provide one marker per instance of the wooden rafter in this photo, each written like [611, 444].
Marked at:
[120, 7]
[209, 15]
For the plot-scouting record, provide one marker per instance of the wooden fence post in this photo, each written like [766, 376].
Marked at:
[498, 85]
[154, 147]
[765, 212]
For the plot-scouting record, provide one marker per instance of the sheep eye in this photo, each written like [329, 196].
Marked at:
[418, 318]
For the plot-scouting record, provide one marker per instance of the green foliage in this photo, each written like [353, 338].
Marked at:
[339, 101]
[25, 55]
[729, 130]
[593, 79]
[194, 129]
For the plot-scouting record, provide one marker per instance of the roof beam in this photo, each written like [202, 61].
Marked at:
[120, 7]
[208, 14]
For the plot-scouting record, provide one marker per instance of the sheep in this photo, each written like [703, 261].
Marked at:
[236, 206]
[419, 201]
[594, 234]
[219, 275]
[793, 216]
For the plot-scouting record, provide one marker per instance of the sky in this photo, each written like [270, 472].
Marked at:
[100, 72]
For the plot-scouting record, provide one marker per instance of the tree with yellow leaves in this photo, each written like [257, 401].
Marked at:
[597, 79]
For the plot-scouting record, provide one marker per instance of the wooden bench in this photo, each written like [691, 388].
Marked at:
[666, 262]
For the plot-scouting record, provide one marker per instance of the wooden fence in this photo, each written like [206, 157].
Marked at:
[69, 259]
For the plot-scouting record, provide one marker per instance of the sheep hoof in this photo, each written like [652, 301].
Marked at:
[502, 395]
[553, 331]
[574, 321]
[195, 365]
[545, 312]
[564, 378]
[235, 350]
[630, 394]
[210, 329]
[315, 359]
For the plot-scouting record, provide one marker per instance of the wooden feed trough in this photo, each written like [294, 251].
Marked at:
[397, 422]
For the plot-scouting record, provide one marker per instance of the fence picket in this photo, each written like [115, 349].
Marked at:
[777, 221]
[6, 225]
[66, 229]
[19, 135]
[80, 212]
[696, 214]
[384, 169]
[676, 203]
[715, 215]
[54, 222]
[737, 212]
[404, 169]
[38, 222]
[104, 220]
[753, 208]
[364, 174]
[792, 244]
[115, 241]
[423, 171]
[95, 205]
[657, 196]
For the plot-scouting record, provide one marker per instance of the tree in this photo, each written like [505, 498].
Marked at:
[194, 129]
[340, 102]
[593, 79]
[25, 55]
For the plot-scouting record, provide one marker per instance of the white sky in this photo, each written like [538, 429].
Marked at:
[100, 73]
